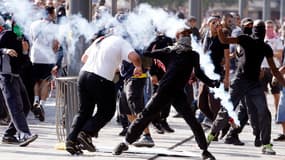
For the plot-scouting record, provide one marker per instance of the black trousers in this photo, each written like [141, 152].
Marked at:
[157, 103]
[93, 90]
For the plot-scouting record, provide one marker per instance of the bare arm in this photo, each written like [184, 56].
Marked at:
[227, 68]
[275, 71]
[136, 60]
[224, 39]
[278, 55]
[84, 58]
[282, 70]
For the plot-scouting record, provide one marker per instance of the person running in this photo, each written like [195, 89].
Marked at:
[95, 86]
[246, 83]
[182, 60]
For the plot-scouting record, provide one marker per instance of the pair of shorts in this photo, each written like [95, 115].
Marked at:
[42, 71]
[132, 97]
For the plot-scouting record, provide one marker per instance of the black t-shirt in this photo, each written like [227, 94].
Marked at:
[216, 51]
[252, 57]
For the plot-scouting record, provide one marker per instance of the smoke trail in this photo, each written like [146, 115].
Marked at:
[207, 65]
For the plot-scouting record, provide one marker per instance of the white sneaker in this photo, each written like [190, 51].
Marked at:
[145, 141]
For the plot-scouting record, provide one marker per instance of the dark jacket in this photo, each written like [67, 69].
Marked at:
[181, 62]
[8, 40]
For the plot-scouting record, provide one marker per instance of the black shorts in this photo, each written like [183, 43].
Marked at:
[132, 98]
[42, 71]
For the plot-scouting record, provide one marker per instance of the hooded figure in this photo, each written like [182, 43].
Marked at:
[259, 30]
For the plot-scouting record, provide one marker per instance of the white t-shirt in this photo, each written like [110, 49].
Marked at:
[43, 33]
[276, 44]
[105, 57]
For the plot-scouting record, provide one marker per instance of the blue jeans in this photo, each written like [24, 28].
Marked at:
[256, 103]
[18, 103]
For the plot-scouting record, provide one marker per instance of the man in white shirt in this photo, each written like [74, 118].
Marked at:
[43, 57]
[275, 43]
[95, 86]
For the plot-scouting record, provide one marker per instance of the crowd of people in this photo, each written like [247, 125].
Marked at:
[247, 55]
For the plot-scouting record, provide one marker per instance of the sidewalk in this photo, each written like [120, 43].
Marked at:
[182, 140]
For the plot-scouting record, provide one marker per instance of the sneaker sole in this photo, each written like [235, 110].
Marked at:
[86, 144]
[25, 143]
[267, 153]
[143, 145]
[73, 151]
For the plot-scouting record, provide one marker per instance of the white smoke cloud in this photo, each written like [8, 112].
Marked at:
[207, 65]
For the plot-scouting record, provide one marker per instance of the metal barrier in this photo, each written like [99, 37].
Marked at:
[67, 101]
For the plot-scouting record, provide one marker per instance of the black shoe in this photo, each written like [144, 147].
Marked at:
[10, 140]
[26, 140]
[281, 137]
[120, 148]
[158, 127]
[166, 127]
[234, 140]
[257, 142]
[39, 112]
[73, 148]
[86, 141]
[123, 132]
[206, 155]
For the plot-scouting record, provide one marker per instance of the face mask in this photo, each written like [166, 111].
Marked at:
[247, 30]
[185, 41]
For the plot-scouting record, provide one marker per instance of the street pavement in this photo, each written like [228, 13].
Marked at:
[180, 143]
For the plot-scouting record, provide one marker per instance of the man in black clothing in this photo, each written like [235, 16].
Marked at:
[243, 113]
[156, 71]
[182, 60]
[246, 83]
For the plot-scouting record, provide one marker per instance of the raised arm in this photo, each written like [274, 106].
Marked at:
[224, 39]
[227, 68]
